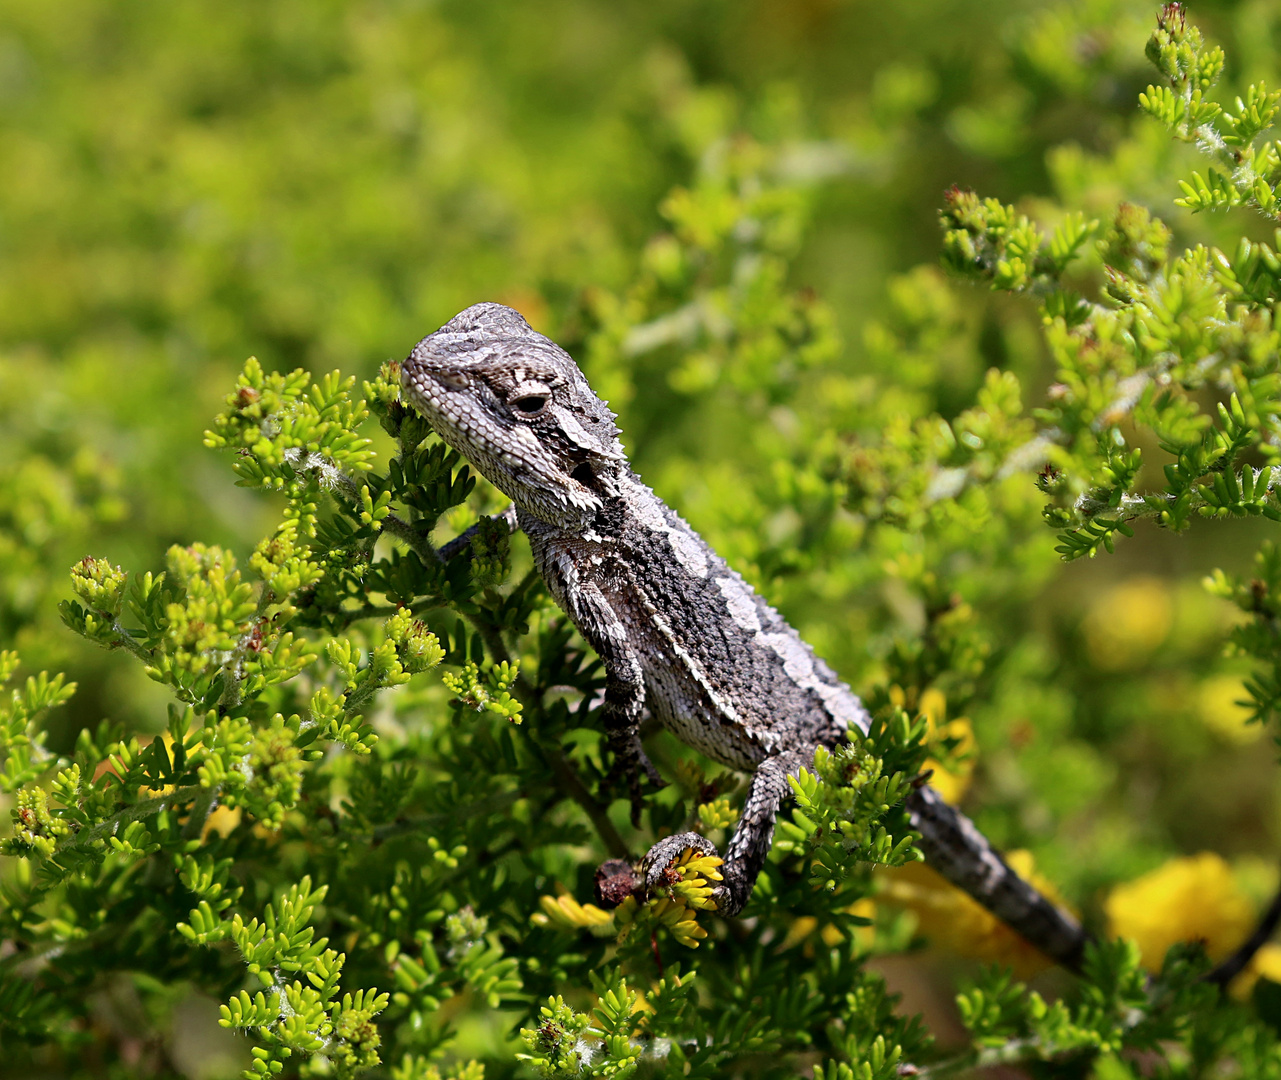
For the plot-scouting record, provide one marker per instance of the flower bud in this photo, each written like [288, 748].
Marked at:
[100, 585]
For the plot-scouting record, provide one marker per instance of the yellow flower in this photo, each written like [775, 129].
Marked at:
[951, 784]
[566, 913]
[1218, 704]
[689, 887]
[1266, 964]
[222, 820]
[692, 875]
[1126, 624]
[1195, 898]
[804, 925]
[679, 919]
[952, 920]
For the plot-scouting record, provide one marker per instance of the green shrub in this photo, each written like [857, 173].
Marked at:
[361, 806]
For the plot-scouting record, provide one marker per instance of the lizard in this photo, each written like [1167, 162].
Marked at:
[679, 632]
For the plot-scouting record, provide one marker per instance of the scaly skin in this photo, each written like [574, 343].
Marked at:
[677, 629]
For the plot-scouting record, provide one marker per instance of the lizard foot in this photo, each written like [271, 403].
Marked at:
[617, 879]
[656, 866]
[630, 760]
[730, 896]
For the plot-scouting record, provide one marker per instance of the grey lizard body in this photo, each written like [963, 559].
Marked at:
[676, 628]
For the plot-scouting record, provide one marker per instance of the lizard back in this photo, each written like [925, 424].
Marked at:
[724, 671]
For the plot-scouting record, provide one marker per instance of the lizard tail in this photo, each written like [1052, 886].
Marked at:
[955, 848]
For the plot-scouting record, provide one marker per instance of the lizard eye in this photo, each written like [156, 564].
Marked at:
[530, 404]
[530, 399]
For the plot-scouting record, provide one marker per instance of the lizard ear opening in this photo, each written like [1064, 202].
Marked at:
[585, 475]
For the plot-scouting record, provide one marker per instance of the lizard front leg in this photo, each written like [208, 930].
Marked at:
[462, 541]
[751, 840]
[624, 692]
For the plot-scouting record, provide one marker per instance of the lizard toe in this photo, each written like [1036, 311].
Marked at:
[655, 777]
[630, 760]
[638, 801]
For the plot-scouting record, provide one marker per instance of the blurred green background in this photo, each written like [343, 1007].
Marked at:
[321, 183]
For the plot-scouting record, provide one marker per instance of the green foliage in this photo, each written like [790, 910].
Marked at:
[1123, 1008]
[295, 1018]
[20, 716]
[837, 823]
[493, 694]
[554, 1043]
[237, 654]
[1168, 333]
[381, 764]
[1258, 600]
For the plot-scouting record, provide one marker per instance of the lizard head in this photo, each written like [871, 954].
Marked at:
[514, 403]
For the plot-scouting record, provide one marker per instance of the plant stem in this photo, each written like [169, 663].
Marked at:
[1228, 969]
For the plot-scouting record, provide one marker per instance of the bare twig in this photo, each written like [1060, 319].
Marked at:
[1229, 969]
[573, 786]
[200, 811]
